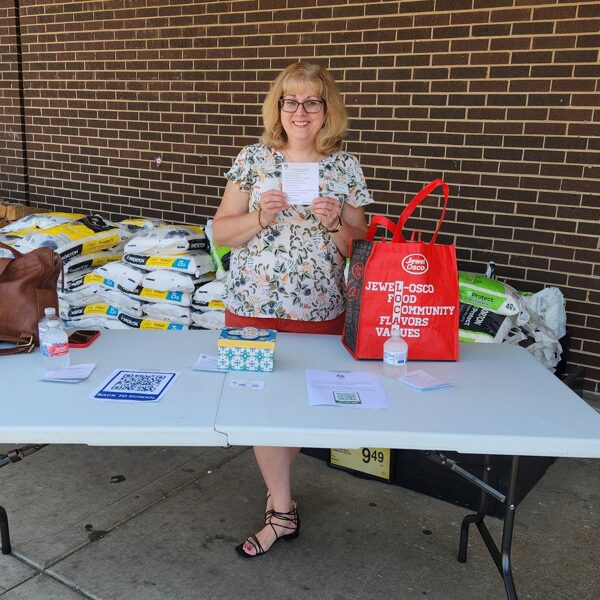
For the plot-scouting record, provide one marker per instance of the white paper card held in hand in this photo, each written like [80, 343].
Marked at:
[300, 182]
[345, 388]
[422, 380]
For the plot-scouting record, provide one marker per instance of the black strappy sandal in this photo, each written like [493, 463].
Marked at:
[268, 513]
[287, 517]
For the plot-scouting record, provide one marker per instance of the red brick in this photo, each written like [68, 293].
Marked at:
[499, 97]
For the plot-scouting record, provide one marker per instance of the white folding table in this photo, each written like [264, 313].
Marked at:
[43, 412]
[502, 402]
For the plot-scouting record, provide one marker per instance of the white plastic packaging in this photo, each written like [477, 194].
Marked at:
[164, 311]
[549, 305]
[167, 240]
[212, 319]
[165, 280]
[125, 276]
[395, 355]
[55, 346]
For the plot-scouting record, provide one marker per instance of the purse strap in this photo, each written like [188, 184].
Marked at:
[4, 262]
[23, 344]
[408, 211]
[14, 251]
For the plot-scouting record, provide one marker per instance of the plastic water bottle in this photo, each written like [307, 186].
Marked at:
[51, 315]
[395, 355]
[55, 346]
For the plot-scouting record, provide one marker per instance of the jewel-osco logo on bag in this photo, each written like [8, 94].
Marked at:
[415, 264]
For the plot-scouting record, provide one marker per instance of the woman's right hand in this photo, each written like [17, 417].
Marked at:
[270, 204]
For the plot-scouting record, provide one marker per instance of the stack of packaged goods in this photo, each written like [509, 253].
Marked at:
[70, 235]
[161, 269]
[83, 242]
[89, 300]
[149, 286]
[208, 310]
[137, 273]
[494, 312]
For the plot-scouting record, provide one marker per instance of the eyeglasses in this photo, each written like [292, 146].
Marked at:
[310, 106]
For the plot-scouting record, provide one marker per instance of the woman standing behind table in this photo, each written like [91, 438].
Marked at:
[287, 262]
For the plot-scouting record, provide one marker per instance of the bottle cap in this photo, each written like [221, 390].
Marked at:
[395, 331]
[50, 311]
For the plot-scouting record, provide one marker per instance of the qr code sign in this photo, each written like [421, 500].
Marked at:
[135, 386]
[140, 382]
[346, 398]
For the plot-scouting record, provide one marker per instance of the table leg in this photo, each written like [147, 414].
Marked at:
[507, 531]
[476, 518]
[501, 557]
[4, 536]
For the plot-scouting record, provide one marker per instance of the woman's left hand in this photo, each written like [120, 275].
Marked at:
[327, 211]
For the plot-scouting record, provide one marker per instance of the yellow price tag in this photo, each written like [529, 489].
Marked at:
[373, 461]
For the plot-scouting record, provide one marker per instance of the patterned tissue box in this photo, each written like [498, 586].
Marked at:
[246, 349]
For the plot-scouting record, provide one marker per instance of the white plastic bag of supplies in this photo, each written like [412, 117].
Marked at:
[125, 276]
[194, 263]
[167, 312]
[39, 221]
[165, 280]
[210, 293]
[168, 239]
[212, 319]
[549, 305]
[85, 236]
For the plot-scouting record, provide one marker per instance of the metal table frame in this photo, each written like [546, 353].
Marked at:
[552, 421]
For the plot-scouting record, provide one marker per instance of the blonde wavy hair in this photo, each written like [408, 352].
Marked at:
[292, 79]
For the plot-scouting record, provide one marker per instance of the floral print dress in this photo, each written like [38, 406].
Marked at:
[291, 269]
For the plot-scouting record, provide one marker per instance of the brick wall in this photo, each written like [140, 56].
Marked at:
[12, 166]
[499, 97]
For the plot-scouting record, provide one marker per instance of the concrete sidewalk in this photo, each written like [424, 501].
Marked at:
[161, 523]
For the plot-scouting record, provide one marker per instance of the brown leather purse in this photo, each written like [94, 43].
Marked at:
[27, 286]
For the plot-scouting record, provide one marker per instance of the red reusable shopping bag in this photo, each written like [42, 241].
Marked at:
[409, 284]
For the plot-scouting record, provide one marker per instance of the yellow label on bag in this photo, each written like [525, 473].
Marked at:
[99, 261]
[373, 461]
[100, 244]
[73, 231]
[160, 261]
[154, 294]
[93, 278]
[216, 305]
[101, 309]
[152, 324]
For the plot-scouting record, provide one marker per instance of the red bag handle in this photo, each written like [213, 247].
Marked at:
[408, 211]
[384, 222]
